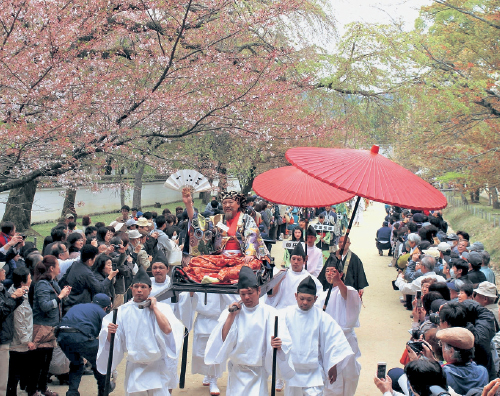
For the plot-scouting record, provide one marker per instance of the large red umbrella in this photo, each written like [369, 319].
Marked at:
[367, 174]
[290, 186]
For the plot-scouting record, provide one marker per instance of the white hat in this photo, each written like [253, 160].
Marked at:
[487, 289]
[131, 222]
[443, 247]
[432, 251]
[143, 222]
[118, 226]
[134, 234]
[2, 264]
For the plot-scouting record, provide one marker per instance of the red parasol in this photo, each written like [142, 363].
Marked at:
[290, 186]
[367, 174]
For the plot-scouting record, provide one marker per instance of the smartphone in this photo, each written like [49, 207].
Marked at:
[419, 299]
[381, 367]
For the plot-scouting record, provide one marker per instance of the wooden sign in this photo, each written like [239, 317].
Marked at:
[289, 244]
[323, 227]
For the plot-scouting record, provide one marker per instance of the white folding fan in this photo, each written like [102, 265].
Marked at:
[188, 178]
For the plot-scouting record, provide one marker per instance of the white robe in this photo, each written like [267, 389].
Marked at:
[318, 344]
[185, 306]
[184, 311]
[248, 349]
[285, 296]
[146, 346]
[206, 321]
[346, 314]
[314, 260]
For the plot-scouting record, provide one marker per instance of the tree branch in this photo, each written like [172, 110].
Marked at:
[446, 4]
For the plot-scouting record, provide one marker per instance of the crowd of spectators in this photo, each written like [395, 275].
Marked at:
[53, 300]
[445, 280]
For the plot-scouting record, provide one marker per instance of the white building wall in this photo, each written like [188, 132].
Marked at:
[49, 201]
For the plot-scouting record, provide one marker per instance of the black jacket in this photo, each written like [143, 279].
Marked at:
[482, 325]
[7, 308]
[84, 285]
[125, 272]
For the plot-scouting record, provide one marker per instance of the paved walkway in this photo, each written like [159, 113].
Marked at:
[384, 322]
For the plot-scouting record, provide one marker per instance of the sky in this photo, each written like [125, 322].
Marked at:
[377, 11]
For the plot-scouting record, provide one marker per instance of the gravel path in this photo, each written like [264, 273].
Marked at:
[384, 321]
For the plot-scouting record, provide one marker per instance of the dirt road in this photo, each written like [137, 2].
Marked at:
[384, 322]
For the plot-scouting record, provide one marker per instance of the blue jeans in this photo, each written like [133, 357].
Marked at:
[76, 346]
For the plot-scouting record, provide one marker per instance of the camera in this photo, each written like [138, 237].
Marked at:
[23, 236]
[416, 346]
[436, 390]
[117, 247]
[434, 318]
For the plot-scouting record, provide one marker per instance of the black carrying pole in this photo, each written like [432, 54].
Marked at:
[353, 215]
[182, 377]
[110, 357]
[307, 225]
[273, 375]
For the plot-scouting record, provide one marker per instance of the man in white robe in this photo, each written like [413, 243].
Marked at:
[283, 295]
[344, 307]
[147, 336]
[320, 349]
[245, 337]
[183, 310]
[314, 254]
[206, 321]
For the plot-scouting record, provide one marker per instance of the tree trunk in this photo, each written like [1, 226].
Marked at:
[108, 168]
[476, 195]
[494, 198]
[122, 188]
[69, 203]
[246, 185]
[464, 199]
[19, 205]
[205, 197]
[136, 200]
[222, 178]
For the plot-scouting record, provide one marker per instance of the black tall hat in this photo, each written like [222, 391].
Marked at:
[298, 250]
[142, 277]
[310, 231]
[307, 286]
[334, 262]
[247, 278]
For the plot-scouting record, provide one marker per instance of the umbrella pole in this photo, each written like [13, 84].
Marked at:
[351, 220]
[343, 246]
[110, 356]
[305, 266]
[307, 225]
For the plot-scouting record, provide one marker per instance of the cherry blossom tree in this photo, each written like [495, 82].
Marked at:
[83, 80]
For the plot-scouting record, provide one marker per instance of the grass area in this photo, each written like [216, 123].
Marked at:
[42, 230]
[481, 206]
[459, 218]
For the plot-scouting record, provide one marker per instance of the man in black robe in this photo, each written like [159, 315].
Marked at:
[354, 273]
